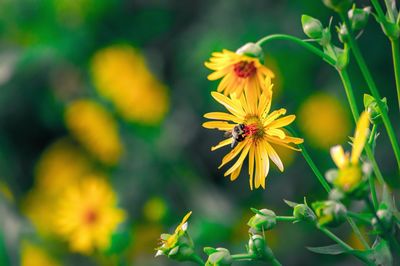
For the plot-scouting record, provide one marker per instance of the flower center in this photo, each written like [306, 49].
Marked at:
[90, 217]
[254, 127]
[244, 69]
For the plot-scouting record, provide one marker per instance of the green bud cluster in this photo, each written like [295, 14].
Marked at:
[258, 247]
[329, 212]
[371, 105]
[218, 257]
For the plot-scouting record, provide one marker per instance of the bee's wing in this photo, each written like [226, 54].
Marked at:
[228, 134]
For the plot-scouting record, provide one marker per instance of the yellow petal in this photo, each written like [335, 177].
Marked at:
[239, 161]
[221, 125]
[338, 156]
[231, 155]
[235, 109]
[217, 74]
[221, 144]
[265, 161]
[251, 166]
[360, 137]
[281, 122]
[274, 115]
[276, 133]
[222, 116]
[274, 156]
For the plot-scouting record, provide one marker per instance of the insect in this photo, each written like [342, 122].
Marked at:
[238, 134]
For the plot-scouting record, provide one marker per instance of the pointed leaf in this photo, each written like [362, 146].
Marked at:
[290, 203]
[328, 250]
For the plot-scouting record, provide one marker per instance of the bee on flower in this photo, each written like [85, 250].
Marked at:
[350, 174]
[240, 71]
[260, 130]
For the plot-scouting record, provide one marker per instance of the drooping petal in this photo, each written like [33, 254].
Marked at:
[233, 153]
[251, 166]
[274, 156]
[360, 137]
[239, 161]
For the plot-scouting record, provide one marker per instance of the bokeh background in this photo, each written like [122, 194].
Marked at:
[116, 89]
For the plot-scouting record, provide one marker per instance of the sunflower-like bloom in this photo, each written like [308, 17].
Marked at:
[96, 129]
[121, 74]
[350, 173]
[261, 130]
[87, 215]
[171, 244]
[239, 71]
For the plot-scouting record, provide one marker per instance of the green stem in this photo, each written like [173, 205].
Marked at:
[314, 168]
[300, 42]
[343, 245]
[359, 217]
[396, 65]
[285, 218]
[246, 256]
[372, 86]
[196, 258]
[372, 135]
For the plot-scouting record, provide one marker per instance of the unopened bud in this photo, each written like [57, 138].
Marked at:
[359, 17]
[218, 257]
[258, 247]
[312, 27]
[371, 105]
[304, 213]
[263, 220]
[343, 33]
[251, 49]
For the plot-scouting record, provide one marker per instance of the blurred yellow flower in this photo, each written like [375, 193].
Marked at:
[324, 121]
[350, 173]
[239, 73]
[96, 129]
[87, 215]
[33, 255]
[61, 164]
[121, 75]
[258, 129]
[6, 192]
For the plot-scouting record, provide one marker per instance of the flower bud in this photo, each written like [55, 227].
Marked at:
[329, 213]
[218, 257]
[312, 27]
[253, 50]
[359, 17]
[371, 105]
[338, 5]
[263, 220]
[304, 213]
[258, 246]
[385, 216]
[343, 33]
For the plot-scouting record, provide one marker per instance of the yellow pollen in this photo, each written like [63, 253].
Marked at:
[256, 122]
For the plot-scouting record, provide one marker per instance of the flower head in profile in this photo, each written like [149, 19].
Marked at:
[87, 215]
[350, 173]
[239, 71]
[178, 245]
[259, 131]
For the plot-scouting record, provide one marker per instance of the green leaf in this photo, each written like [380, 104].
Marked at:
[368, 99]
[328, 250]
[381, 254]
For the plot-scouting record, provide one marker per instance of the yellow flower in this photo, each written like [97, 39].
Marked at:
[87, 215]
[154, 209]
[350, 173]
[239, 72]
[32, 255]
[96, 129]
[261, 130]
[169, 242]
[121, 75]
[324, 121]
